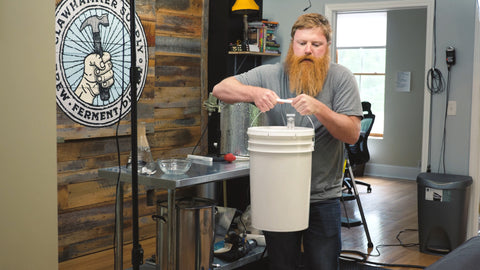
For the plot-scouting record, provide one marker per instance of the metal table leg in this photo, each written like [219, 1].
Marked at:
[171, 228]
[160, 224]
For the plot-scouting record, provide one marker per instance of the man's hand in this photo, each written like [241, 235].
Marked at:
[230, 91]
[305, 104]
[343, 127]
[264, 99]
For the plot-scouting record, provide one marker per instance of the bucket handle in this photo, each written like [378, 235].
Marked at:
[255, 118]
[260, 112]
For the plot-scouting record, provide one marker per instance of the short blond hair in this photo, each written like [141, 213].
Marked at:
[312, 20]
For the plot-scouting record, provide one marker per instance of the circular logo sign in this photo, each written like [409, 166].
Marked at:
[93, 60]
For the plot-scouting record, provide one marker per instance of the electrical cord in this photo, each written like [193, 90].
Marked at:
[365, 256]
[199, 140]
[436, 85]
[211, 105]
[435, 81]
[309, 6]
[444, 134]
[117, 142]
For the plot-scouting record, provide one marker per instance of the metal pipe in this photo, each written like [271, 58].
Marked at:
[119, 228]
[137, 252]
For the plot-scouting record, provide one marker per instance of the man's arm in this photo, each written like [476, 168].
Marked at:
[343, 127]
[230, 90]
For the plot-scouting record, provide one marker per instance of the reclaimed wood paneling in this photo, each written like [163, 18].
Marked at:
[170, 104]
[104, 260]
[89, 230]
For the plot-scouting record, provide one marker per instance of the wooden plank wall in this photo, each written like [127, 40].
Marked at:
[171, 105]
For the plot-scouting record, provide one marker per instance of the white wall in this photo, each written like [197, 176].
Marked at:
[399, 152]
[28, 185]
[451, 16]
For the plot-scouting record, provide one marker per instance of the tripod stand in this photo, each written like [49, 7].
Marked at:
[347, 222]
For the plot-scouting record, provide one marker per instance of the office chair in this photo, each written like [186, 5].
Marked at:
[358, 153]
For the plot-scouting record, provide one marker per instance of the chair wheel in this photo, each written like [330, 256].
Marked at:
[369, 190]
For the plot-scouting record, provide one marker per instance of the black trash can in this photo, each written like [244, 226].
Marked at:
[442, 211]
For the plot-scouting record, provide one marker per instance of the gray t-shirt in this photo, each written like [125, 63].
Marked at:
[340, 94]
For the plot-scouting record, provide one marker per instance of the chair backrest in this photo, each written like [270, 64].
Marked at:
[368, 118]
[358, 152]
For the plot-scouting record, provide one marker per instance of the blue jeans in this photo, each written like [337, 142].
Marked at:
[321, 241]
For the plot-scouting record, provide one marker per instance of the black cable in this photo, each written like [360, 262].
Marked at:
[444, 134]
[365, 256]
[434, 33]
[435, 81]
[382, 264]
[199, 140]
[309, 6]
[401, 244]
[436, 85]
[117, 142]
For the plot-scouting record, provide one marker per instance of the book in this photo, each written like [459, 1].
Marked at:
[261, 34]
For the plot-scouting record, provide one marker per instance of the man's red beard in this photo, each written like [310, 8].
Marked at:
[307, 74]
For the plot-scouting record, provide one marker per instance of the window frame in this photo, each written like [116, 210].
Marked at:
[360, 74]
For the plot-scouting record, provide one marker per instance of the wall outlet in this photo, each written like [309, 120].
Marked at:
[452, 107]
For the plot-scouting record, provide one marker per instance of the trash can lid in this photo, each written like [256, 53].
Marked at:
[444, 181]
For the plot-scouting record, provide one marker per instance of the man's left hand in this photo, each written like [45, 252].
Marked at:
[305, 104]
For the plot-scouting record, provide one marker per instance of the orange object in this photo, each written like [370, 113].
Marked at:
[229, 157]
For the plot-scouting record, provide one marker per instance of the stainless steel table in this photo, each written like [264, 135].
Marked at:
[199, 173]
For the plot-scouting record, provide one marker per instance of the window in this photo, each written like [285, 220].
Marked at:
[361, 46]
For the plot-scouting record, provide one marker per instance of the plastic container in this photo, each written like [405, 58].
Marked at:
[442, 211]
[280, 172]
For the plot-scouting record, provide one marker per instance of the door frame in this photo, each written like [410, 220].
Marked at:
[332, 9]
[474, 161]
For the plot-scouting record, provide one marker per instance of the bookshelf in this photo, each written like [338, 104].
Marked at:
[261, 42]
[262, 36]
[245, 54]
[255, 53]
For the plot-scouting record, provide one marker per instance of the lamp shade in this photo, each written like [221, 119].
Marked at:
[245, 6]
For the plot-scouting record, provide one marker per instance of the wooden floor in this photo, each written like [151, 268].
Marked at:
[390, 208]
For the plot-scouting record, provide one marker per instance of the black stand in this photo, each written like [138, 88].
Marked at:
[137, 251]
[355, 196]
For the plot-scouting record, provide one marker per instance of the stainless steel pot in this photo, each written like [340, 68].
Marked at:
[194, 233]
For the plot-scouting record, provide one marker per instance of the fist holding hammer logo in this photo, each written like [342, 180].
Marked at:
[98, 74]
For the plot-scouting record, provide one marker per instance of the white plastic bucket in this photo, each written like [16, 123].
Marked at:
[280, 171]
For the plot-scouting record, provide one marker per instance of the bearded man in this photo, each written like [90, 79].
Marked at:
[329, 93]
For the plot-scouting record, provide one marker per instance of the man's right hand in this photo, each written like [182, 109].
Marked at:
[230, 91]
[264, 99]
